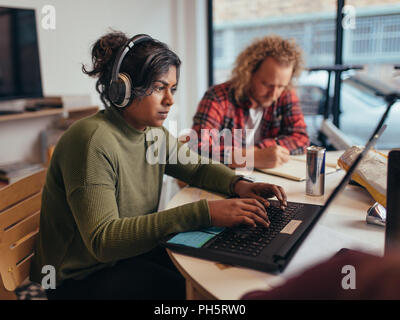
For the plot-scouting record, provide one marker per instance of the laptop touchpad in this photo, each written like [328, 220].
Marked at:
[291, 226]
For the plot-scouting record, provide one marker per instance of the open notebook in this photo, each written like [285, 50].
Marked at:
[295, 168]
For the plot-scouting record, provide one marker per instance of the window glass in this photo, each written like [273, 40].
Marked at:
[371, 37]
[236, 23]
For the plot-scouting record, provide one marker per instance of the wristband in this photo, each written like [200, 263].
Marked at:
[239, 178]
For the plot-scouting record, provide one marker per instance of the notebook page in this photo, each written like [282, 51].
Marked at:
[295, 168]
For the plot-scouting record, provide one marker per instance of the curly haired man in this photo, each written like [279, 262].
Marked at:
[260, 103]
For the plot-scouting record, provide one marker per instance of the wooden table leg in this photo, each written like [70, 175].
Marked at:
[5, 294]
[194, 293]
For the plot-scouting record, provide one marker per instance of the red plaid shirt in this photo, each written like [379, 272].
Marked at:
[282, 123]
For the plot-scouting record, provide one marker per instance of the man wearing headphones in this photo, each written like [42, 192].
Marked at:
[260, 101]
[99, 225]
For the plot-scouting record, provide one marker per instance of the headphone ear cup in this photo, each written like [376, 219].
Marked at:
[120, 91]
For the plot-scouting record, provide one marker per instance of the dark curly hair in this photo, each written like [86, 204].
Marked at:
[144, 64]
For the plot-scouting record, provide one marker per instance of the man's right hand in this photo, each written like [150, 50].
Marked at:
[233, 212]
[270, 157]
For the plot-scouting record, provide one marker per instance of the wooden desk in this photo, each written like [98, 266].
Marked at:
[343, 225]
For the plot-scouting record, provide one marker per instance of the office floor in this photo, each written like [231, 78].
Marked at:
[30, 291]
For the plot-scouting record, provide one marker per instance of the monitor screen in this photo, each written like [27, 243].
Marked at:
[19, 55]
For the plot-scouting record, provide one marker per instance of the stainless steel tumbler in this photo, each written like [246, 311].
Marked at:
[315, 175]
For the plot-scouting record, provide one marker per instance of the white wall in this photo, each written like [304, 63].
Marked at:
[179, 23]
[189, 18]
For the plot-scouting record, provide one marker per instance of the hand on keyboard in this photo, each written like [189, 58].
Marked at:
[233, 212]
[261, 191]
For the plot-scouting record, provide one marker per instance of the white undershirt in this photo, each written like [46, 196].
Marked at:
[253, 122]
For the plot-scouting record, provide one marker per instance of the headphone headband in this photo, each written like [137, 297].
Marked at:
[123, 52]
[120, 93]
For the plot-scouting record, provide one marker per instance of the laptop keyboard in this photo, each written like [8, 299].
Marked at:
[250, 241]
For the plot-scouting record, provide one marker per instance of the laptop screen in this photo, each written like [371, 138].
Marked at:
[392, 233]
[354, 165]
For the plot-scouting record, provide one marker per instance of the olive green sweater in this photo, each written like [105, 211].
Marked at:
[101, 196]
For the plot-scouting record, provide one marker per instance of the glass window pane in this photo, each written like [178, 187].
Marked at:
[371, 37]
[237, 22]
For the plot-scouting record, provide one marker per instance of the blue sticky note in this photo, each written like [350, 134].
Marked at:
[195, 239]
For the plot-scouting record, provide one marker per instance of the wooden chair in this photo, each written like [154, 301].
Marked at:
[19, 225]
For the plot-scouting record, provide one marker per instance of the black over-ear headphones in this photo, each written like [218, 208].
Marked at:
[120, 90]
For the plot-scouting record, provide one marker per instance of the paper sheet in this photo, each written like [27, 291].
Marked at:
[321, 244]
[295, 169]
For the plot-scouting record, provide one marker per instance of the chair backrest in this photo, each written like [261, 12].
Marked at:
[20, 204]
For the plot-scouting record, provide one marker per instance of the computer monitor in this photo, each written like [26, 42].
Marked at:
[20, 75]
